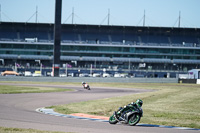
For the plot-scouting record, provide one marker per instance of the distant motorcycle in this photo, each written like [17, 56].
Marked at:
[86, 86]
[130, 116]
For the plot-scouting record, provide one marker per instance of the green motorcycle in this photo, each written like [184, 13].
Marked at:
[130, 116]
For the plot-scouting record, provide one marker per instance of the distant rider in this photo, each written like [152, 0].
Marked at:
[84, 84]
[137, 104]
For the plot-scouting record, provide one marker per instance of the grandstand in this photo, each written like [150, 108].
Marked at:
[143, 50]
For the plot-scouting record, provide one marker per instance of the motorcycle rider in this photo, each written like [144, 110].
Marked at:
[84, 84]
[137, 104]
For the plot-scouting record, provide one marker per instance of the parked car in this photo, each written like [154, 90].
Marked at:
[37, 74]
[96, 75]
[84, 75]
[63, 75]
[6, 73]
[106, 75]
[27, 74]
[124, 75]
[117, 75]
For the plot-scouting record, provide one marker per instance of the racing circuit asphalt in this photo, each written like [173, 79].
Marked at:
[18, 110]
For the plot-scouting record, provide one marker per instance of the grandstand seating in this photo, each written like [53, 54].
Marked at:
[186, 61]
[127, 59]
[70, 58]
[36, 57]
[87, 58]
[147, 60]
[10, 56]
[99, 35]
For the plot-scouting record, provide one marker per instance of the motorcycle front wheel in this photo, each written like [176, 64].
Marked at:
[134, 119]
[112, 120]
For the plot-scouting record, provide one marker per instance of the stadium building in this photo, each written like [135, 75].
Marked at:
[145, 51]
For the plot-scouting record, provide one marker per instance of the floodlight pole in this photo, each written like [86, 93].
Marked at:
[57, 37]
[36, 20]
[179, 19]
[0, 12]
[144, 19]
[108, 16]
[73, 15]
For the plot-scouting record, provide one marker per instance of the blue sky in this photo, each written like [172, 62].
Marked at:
[162, 13]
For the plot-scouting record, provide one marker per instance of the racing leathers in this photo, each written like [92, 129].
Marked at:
[122, 110]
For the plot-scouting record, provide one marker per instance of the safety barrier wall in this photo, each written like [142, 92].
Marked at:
[89, 79]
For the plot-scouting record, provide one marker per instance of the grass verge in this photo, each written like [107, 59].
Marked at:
[7, 89]
[20, 130]
[172, 105]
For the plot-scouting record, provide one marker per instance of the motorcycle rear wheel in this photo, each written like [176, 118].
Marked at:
[112, 120]
[134, 119]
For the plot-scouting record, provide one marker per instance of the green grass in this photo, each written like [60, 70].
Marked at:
[20, 130]
[8, 89]
[49, 83]
[172, 104]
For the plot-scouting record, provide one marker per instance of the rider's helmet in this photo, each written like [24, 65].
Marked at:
[139, 102]
[83, 82]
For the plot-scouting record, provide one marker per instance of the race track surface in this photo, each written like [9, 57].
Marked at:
[18, 110]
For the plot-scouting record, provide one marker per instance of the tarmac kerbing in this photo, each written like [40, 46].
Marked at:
[102, 118]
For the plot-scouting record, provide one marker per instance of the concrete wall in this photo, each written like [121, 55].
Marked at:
[89, 79]
[189, 81]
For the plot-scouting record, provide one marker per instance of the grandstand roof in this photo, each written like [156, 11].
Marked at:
[106, 27]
